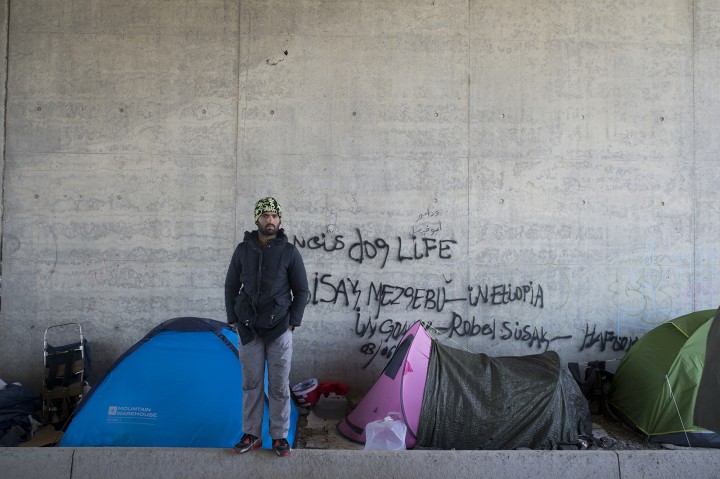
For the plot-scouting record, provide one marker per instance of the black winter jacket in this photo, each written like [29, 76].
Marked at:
[266, 290]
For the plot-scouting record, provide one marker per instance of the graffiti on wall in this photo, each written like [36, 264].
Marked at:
[605, 340]
[532, 336]
[649, 285]
[447, 307]
[362, 248]
[373, 303]
[376, 296]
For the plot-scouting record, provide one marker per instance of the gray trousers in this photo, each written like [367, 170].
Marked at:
[252, 360]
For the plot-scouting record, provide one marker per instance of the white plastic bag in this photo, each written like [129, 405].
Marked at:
[385, 435]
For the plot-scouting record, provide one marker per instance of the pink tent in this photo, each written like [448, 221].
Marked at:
[399, 389]
[449, 398]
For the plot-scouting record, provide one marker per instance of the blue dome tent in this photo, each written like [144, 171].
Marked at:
[179, 386]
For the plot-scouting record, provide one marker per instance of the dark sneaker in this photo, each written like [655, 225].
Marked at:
[247, 443]
[281, 447]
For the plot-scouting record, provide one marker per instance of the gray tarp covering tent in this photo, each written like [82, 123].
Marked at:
[474, 401]
[707, 412]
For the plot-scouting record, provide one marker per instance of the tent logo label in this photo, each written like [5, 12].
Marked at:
[131, 412]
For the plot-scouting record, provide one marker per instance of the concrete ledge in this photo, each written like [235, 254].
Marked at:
[112, 463]
[37, 462]
[669, 464]
[330, 464]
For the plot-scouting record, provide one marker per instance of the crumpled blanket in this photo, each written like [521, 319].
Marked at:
[18, 406]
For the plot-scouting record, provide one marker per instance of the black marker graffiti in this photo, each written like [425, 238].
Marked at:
[507, 331]
[430, 229]
[384, 295]
[387, 331]
[331, 292]
[505, 293]
[375, 299]
[427, 214]
[363, 249]
[605, 339]
[317, 242]
[349, 293]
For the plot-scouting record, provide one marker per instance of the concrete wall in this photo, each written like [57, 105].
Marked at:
[523, 175]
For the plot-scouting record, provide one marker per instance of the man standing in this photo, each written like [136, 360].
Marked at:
[266, 291]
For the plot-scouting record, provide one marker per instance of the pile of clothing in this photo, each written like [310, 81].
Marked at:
[19, 408]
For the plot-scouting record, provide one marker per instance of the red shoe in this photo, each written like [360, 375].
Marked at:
[281, 447]
[247, 443]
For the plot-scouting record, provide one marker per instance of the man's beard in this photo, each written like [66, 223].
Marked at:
[268, 230]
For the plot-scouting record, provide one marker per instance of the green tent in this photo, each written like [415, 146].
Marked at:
[707, 412]
[655, 386]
